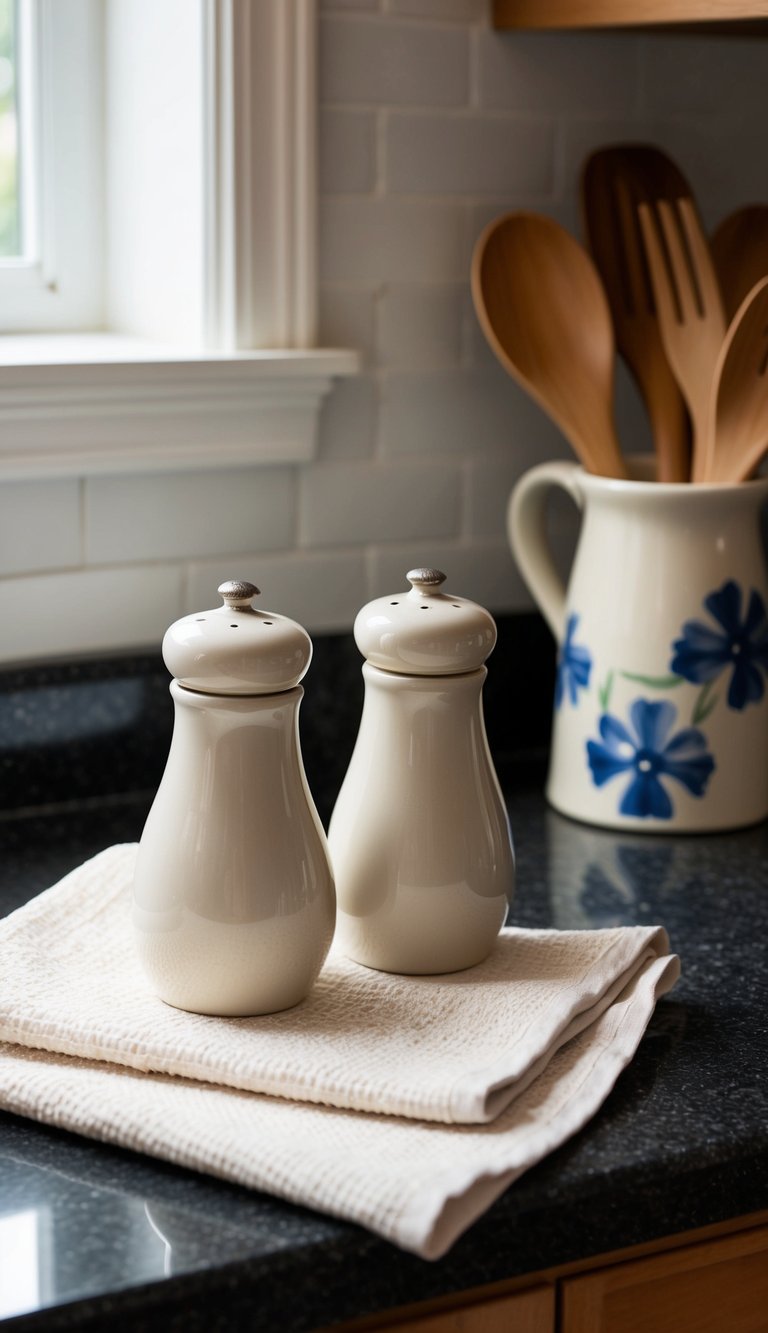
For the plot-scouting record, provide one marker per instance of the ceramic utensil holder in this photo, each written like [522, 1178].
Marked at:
[661, 708]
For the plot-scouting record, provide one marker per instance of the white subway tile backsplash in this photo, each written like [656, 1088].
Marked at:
[445, 11]
[185, 514]
[419, 327]
[550, 74]
[349, 5]
[701, 77]
[346, 319]
[724, 159]
[347, 151]
[489, 489]
[484, 571]
[468, 154]
[431, 124]
[487, 210]
[373, 240]
[86, 611]
[323, 590]
[393, 64]
[374, 502]
[39, 526]
[480, 411]
[348, 419]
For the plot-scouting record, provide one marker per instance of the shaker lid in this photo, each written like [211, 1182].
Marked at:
[237, 648]
[425, 632]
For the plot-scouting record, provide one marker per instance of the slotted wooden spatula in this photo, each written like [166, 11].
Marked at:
[613, 181]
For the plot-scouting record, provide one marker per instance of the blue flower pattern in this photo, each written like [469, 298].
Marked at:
[574, 664]
[739, 645]
[649, 752]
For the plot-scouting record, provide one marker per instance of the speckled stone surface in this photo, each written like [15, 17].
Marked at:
[109, 1238]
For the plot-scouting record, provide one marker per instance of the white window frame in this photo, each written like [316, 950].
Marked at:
[57, 284]
[249, 389]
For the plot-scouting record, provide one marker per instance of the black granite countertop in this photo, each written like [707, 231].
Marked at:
[92, 1235]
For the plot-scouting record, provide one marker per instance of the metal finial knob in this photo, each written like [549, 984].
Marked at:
[238, 594]
[425, 580]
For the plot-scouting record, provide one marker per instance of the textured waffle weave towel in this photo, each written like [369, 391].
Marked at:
[474, 1077]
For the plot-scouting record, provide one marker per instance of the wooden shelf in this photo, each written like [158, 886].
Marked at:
[741, 15]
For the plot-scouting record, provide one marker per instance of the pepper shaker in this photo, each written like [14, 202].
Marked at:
[419, 838]
[234, 903]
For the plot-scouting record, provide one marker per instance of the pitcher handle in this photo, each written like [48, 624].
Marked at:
[527, 530]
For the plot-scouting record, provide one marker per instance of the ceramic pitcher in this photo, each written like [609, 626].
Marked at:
[661, 709]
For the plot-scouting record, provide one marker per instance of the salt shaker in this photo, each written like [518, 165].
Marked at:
[419, 838]
[234, 903]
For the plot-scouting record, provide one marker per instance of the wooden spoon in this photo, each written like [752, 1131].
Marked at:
[740, 252]
[613, 180]
[740, 410]
[543, 310]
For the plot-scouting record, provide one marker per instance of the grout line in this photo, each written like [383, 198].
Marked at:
[185, 579]
[466, 472]
[380, 152]
[474, 70]
[385, 17]
[83, 521]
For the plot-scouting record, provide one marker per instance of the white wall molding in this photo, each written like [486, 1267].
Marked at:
[111, 413]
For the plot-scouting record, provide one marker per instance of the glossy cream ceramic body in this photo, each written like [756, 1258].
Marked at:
[233, 895]
[661, 708]
[419, 839]
[234, 903]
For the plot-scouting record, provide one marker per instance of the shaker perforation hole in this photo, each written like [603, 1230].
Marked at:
[199, 618]
[394, 604]
[234, 627]
[425, 608]
[458, 608]
[267, 622]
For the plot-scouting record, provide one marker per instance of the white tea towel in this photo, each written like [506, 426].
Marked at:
[534, 1037]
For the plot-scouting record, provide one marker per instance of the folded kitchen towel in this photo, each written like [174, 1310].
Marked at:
[473, 1077]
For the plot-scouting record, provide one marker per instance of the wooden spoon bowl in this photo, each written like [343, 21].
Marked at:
[740, 410]
[543, 310]
[740, 252]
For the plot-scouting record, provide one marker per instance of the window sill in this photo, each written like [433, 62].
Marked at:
[96, 403]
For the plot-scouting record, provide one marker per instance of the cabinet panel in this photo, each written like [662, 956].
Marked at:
[524, 1312]
[707, 1288]
[622, 13]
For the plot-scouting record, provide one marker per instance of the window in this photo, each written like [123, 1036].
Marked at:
[50, 74]
[11, 240]
[173, 265]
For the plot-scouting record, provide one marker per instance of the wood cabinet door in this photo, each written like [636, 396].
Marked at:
[620, 13]
[718, 1286]
[523, 1312]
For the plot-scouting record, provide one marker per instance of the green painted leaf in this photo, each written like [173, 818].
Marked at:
[705, 704]
[654, 682]
[604, 692]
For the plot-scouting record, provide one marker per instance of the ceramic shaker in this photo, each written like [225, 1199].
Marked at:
[234, 903]
[419, 837]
